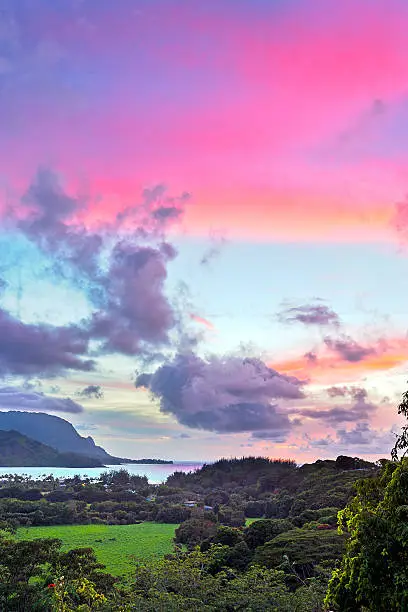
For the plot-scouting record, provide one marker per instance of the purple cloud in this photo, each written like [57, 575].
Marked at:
[279, 434]
[91, 391]
[12, 398]
[50, 220]
[337, 391]
[28, 349]
[310, 314]
[225, 395]
[359, 410]
[154, 214]
[311, 357]
[358, 393]
[363, 435]
[123, 269]
[136, 310]
[348, 349]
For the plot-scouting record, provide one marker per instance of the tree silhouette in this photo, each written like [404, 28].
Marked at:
[401, 444]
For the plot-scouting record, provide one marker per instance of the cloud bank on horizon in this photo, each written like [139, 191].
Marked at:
[178, 182]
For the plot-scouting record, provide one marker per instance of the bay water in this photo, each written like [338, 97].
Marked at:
[156, 473]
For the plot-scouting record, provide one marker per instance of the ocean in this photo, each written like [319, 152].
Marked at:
[156, 473]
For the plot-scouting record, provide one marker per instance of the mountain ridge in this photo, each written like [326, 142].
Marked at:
[53, 431]
[18, 450]
[61, 435]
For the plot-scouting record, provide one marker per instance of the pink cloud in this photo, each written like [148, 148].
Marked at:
[202, 321]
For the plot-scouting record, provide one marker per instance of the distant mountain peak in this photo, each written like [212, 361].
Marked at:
[53, 431]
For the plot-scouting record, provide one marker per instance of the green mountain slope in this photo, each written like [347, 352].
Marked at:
[17, 450]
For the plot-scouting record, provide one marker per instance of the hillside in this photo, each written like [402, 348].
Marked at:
[17, 450]
[55, 432]
[276, 488]
[61, 436]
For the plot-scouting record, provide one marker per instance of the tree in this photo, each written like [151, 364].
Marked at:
[255, 508]
[305, 548]
[173, 514]
[194, 531]
[264, 530]
[374, 569]
[200, 581]
[401, 443]
[231, 517]
[19, 562]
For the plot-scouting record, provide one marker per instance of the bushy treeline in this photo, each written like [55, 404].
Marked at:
[228, 492]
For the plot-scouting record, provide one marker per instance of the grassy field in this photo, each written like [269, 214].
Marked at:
[113, 544]
[248, 521]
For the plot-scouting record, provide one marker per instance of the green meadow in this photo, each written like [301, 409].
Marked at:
[114, 545]
[249, 521]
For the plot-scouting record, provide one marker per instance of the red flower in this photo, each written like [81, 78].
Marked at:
[51, 586]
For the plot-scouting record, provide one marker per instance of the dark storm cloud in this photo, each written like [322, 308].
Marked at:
[30, 350]
[12, 398]
[225, 395]
[310, 314]
[91, 391]
[348, 349]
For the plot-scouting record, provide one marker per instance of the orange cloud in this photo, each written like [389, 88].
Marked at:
[330, 368]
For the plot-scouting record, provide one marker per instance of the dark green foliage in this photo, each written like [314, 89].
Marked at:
[351, 463]
[216, 498]
[230, 474]
[173, 514]
[230, 516]
[279, 506]
[305, 549]
[194, 531]
[27, 568]
[227, 536]
[323, 515]
[198, 582]
[239, 556]
[264, 530]
[374, 570]
[82, 562]
[19, 562]
[401, 443]
[255, 508]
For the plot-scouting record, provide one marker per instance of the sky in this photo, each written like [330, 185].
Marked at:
[204, 223]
